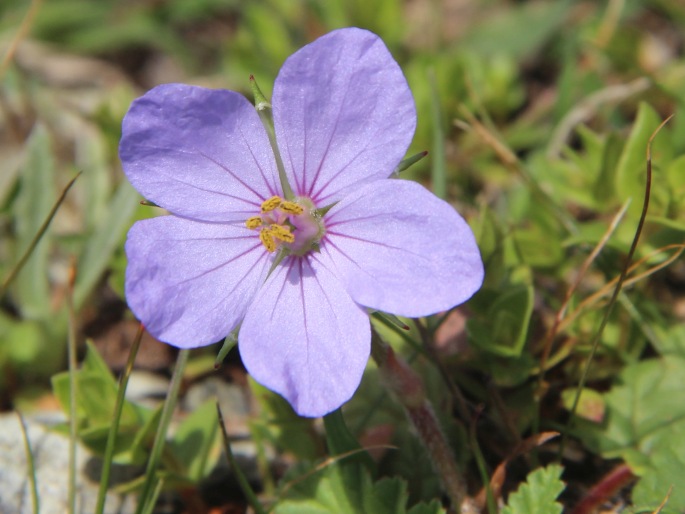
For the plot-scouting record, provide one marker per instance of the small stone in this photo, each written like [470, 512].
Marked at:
[51, 458]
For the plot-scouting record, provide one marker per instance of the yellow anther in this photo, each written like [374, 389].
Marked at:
[282, 233]
[267, 239]
[253, 222]
[291, 207]
[271, 204]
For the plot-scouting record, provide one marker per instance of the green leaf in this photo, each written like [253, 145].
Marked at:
[341, 441]
[646, 427]
[279, 424]
[433, 507]
[516, 31]
[95, 399]
[604, 191]
[537, 495]
[646, 406]
[666, 469]
[23, 341]
[94, 363]
[503, 328]
[671, 339]
[195, 440]
[34, 201]
[590, 403]
[105, 241]
[631, 168]
[336, 492]
[539, 246]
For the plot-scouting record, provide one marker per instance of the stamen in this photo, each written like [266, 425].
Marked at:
[282, 233]
[294, 227]
[271, 204]
[267, 240]
[291, 207]
[253, 222]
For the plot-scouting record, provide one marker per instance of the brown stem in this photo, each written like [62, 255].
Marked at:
[408, 389]
[606, 488]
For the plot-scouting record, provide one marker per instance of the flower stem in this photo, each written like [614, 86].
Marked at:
[240, 476]
[116, 418]
[160, 436]
[264, 110]
[73, 392]
[408, 389]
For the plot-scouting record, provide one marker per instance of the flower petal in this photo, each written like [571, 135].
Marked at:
[190, 282]
[400, 249]
[305, 338]
[200, 153]
[343, 114]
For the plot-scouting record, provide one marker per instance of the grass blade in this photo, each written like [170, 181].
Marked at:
[147, 493]
[34, 242]
[31, 465]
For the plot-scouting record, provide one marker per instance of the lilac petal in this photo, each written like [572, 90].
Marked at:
[190, 282]
[343, 114]
[400, 249]
[200, 153]
[305, 338]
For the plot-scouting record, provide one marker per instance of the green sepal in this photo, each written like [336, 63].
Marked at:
[409, 161]
[260, 101]
[228, 344]
[392, 319]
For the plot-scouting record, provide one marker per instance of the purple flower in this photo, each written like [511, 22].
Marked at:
[351, 239]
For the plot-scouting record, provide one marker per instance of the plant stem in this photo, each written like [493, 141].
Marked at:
[408, 389]
[73, 390]
[250, 496]
[160, 436]
[116, 418]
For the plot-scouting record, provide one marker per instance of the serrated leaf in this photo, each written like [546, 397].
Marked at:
[433, 507]
[665, 470]
[646, 428]
[645, 407]
[334, 491]
[537, 495]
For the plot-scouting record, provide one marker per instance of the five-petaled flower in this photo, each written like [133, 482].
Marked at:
[353, 238]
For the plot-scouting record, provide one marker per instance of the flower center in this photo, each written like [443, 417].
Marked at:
[295, 225]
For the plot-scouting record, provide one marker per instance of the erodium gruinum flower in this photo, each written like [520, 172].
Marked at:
[343, 117]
